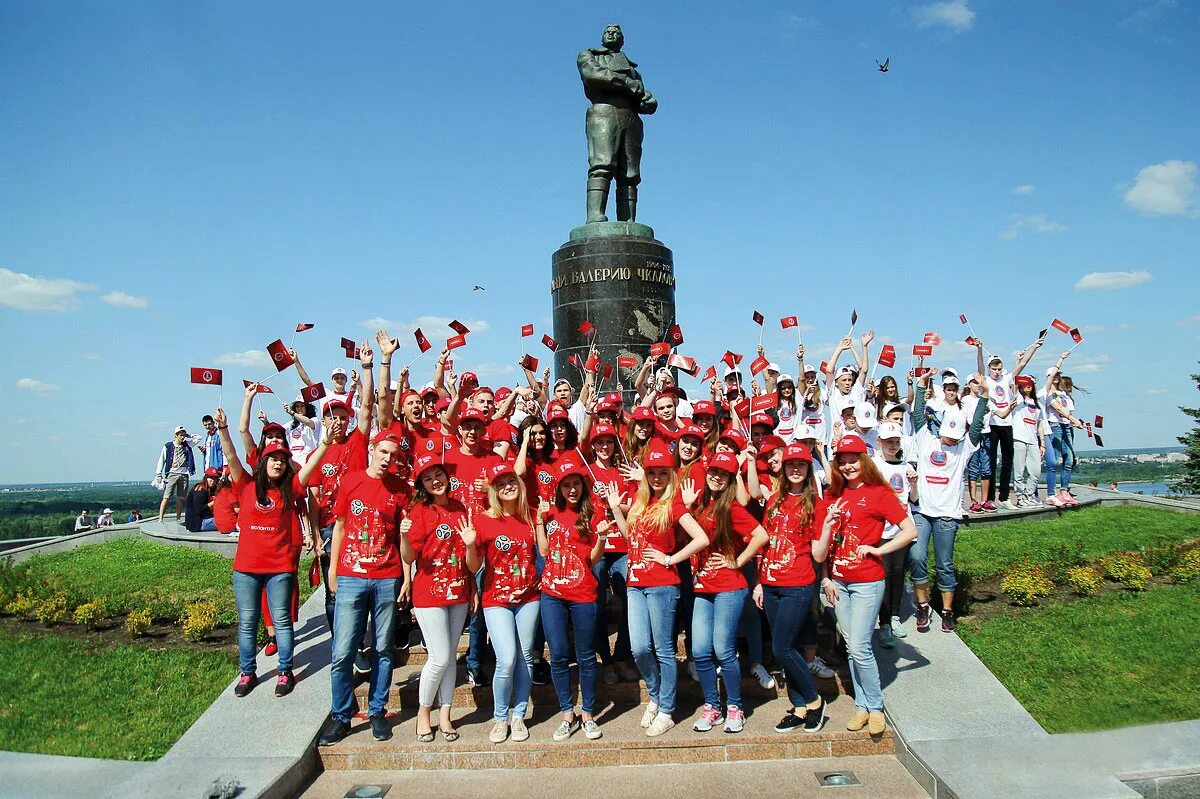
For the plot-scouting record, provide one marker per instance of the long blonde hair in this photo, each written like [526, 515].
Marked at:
[496, 507]
[660, 514]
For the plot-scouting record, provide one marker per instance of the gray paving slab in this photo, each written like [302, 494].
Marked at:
[1141, 751]
[24, 776]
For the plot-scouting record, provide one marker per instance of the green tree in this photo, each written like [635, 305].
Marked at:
[1190, 482]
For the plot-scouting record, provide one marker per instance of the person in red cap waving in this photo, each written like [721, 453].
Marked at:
[501, 542]
[788, 584]
[366, 582]
[653, 584]
[720, 588]
[269, 503]
[570, 534]
[851, 518]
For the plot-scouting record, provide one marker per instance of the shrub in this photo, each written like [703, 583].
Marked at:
[21, 605]
[1188, 567]
[1160, 559]
[52, 609]
[89, 614]
[1062, 558]
[199, 619]
[1085, 580]
[1127, 568]
[138, 622]
[1025, 583]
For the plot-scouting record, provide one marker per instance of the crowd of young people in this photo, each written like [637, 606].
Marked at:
[517, 514]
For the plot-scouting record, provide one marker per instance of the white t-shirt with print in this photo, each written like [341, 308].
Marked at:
[1001, 395]
[940, 471]
[896, 475]
[1027, 418]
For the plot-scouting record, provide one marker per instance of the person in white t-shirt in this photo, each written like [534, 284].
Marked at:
[1028, 446]
[847, 385]
[941, 459]
[980, 466]
[1002, 399]
[1056, 405]
[902, 477]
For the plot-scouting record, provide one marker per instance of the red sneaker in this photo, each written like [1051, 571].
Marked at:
[989, 506]
[976, 508]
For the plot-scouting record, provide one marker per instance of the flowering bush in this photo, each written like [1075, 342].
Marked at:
[1085, 580]
[52, 609]
[1188, 567]
[138, 622]
[1025, 583]
[199, 619]
[1127, 568]
[89, 614]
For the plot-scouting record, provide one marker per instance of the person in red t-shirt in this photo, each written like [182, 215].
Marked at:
[704, 416]
[441, 592]
[501, 541]
[652, 589]
[640, 433]
[366, 581]
[469, 461]
[855, 509]
[788, 584]
[535, 459]
[720, 588]
[570, 536]
[269, 501]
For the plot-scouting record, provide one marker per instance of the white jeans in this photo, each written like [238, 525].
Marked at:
[1027, 468]
[441, 628]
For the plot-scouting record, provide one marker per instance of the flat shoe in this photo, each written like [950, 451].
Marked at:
[449, 736]
[425, 737]
[858, 720]
[876, 724]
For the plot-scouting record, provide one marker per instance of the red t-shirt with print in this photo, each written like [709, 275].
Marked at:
[441, 575]
[266, 543]
[370, 509]
[867, 509]
[339, 460]
[464, 470]
[568, 570]
[507, 547]
[786, 561]
[643, 533]
[720, 579]
[225, 512]
[615, 542]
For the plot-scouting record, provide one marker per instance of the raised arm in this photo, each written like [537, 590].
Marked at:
[863, 358]
[1026, 356]
[387, 347]
[365, 354]
[918, 412]
[842, 346]
[439, 372]
[981, 410]
[979, 367]
[236, 470]
[300, 368]
[641, 383]
[244, 420]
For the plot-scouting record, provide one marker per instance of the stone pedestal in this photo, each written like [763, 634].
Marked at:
[617, 276]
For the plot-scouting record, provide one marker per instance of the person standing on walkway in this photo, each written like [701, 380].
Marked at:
[176, 465]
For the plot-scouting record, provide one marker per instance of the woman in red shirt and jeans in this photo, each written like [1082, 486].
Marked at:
[856, 507]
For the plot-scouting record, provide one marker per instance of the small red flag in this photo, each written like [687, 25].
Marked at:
[262, 388]
[887, 356]
[972, 341]
[1089, 429]
[459, 328]
[301, 327]
[962, 317]
[1099, 441]
[422, 342]
[685, 363]
[573, 359]
[710, 373]
[1076, 336]
[529, 362]
[853, 317]
[765, 401]
[1099, 421]
[608, 370]
[314, 573]
[922, 349]
[586, 328]
[280, 355]
[824, 367]
[550, 343]
[789, 321]
[758, 364]
[454, 342]
[526, 330]
[932, 338]
[731, 359]
[659, 348]
[352, 353]
[758, 318]
[922, 370]
[675, 335]
[742, 407]
[347, 344]
[1060, 326]
[204, 376]
[627, 362]
[593, 362]
[313, 393]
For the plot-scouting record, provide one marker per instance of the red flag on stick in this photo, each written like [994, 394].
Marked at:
[932, 338]
[1089, 429]
[763, 402]
[1099, 421]
[593, 362]
[529, 362]
[262, 388]
[422, 342]
[922, 349]
[347, 343]
[526, 330]
[280, 355]
[731, 359]
[1060, 326]
[659, 349]
[550, 343]
[1076, 336]
[300, 328]
[573, 359]
[313, 393]
[454, 342]
[586, 328]
[627, 362]
[675, 335]
[962, 317]
[824, 367]
[608, 370]
[971, 341]
[206, 376]
[853, 317]
[758, 318]
[789, 321]
[710, 373]
[758, 364]
[459, 328]
[887, 356]
[920, 371]
[1099, 441]
[685, 363]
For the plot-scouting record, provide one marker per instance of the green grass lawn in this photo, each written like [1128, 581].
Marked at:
[1112, 661]
[984, 550]
[134, 573]
[62, 696]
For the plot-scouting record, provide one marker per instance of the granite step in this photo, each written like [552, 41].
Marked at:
[624, 741]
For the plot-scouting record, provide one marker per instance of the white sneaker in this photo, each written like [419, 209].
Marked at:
[821, 669]
[662, 722]
[762, 675]
[499, 733]
[648, 716]
[1008, 505]
[519, 731]
[897, 629]
[592, 730]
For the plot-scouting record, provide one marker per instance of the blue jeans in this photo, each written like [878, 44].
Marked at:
[512, 629]
[247, 593]
[477, 638]
[611, 572]
[715, 619]
[789, 612]
[356, 598]
[1068, 452]
[683, 609]
[326, 546]
[652, 639]
[857, 608]
[1060, 457]
[979, 467]
[750, 625]
[582, 615]
[942, 530]
[208, 525]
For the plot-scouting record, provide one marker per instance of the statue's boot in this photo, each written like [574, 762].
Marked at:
[597, 199]
[627, 203]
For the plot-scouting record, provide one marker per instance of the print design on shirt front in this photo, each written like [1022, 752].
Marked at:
[563, 567]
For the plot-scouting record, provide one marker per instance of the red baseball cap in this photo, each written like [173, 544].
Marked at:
[761, 418]
[703, 408]
[642, 414]
[472, 415]
[770, 444]
[851, 444]
[274, 448]
[468, 377]
[409, 393]
[441, 405]
[692, 430]
[658, 457]
[602, 430]
[276, 426]
[499, 470]
[333, 405]
[797, 452]
[724, 462]
[735, 437]
[556, 412]
[1025, 380]
[502, 393]
[429, 390]
[385, 435]
[570, 467]
[211, 472]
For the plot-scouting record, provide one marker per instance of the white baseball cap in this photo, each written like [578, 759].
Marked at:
[949, 370]
[108, 511]
[809, 369]
[339, 371]
[847, 370]
[949, 379]
[785, 378]
[892, 406]
[864, 415]
[181, 429]
[772, 367]
[954, 424]
[805, 431]
[889, 430]
[729, 371]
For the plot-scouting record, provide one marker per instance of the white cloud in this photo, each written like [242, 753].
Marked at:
[1191, 320]
[1147, 13]
[1024, 188]
[794, 23]
[1168, 189]
[91, 356]
[118, 434]
[123, 300]
[1092, 328]
[1112, 281]
[255, 359]
[1086, 365]
[434, 327]
[955, 15]
[1155, 392]
[29, 384]
[1035, 223]
[28, 293]
[487, 371]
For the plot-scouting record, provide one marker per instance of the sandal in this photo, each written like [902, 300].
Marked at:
[425, 737]
[449, 736]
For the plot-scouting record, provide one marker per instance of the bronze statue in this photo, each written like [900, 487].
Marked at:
[614, 127]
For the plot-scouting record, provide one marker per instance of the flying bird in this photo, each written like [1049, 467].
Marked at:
[480, 288]
[884, 66]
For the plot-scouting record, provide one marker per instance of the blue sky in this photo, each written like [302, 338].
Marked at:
[184, 183]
